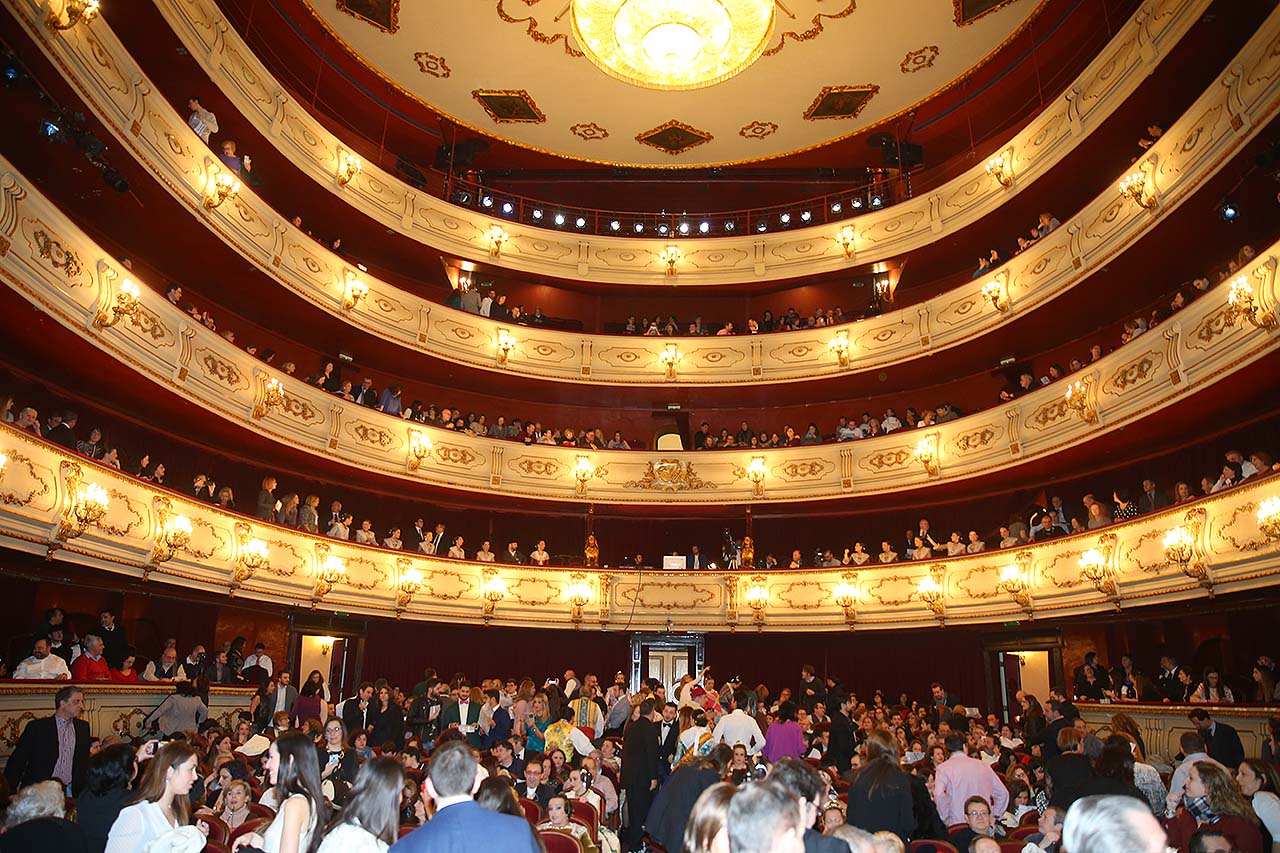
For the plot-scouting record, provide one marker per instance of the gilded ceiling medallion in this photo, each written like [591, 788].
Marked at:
[534, 30]
[814, 30]
[840, 102]
[509, 106]
[968, 11]
[589, 131]
[758, 130]
[672, 45]
[383, 14]
[919, 60]
[431, 64]
[674, 137]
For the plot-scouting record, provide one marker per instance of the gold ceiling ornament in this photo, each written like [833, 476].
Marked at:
[672, 45]
[589, 131]
[758, 130]
[533, 30]
[383, 14]
[968, 11]
[674, 137]
[814, 30]
[509, 106]
[840, 102]
[429, 63]
[919, 59]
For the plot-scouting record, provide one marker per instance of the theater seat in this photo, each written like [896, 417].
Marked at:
[559, 842]
[928, 846]
[532, 811]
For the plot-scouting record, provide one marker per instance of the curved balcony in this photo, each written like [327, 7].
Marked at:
[57, 267]
[466, 233]
[1219, 124]
[76, 510]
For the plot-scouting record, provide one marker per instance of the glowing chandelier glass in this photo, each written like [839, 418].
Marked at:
[673, 44]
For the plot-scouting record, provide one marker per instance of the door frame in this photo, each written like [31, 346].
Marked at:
[695, 642]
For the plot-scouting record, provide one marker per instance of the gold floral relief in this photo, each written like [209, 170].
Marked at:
[803, 595]
[968, 11]
[674, 137]
[534, 592]
[509, 106]
[666, 595]
[589, 131]
[435, 66]
[815, 29]
[49, 246]
[840, 102]
[534, 30]
[669, 475]
[120, 499]
[11, 728]
[1223, 530]
[989, 576]
[893, 596]
[8, 474]
[447, 585]
[758, 129]
[360, 569]
[919, 59]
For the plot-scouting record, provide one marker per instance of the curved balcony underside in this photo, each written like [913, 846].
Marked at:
[55, 265]
[1099, 91]
[1228, 552]
[1217, 126]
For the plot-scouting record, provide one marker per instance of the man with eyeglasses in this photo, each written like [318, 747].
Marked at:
[960, 779]
[977, 816]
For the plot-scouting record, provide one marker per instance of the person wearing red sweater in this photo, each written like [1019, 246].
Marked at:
[91, 666]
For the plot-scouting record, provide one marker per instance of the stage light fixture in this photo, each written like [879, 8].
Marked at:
[857, 204]
[11, 75]
[684, 228]
[464, 197]
[805, 216]
[730, 226]
[537, 214]
[877, 202]
[115, 180]
[639, 227]
[1228, 211]
[508, 208]
[663, 229]
[559, 220]
[704, 227]
[763, 226]
[836, 207]
[580, 222]
[615, 225]
[51, 129]
[785, 219]
[92, 146]
[486, 201]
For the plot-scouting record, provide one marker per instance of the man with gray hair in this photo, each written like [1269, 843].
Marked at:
[54, 747]
[1112, 824]
[765, 818]
[91, 666]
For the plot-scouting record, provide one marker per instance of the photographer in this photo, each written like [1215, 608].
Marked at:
[181, 711]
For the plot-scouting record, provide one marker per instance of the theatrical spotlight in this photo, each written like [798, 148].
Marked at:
[508, 208]
[805, 216]
[857, 204]
[580, 222]
[704, 227]
[115, 180]
[559, 220]
[684, 228]
[877, 201]
[11, 74]
[837, 207]
[639, 227]
[537, 214]
[51, 129]
[615, 225]
[1228, 211]
[92, 146]
[785, 219]
[730, 225]
[486, 201]
[762, 226]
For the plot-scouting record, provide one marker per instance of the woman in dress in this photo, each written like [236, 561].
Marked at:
[163, 801]
[294, 773]
[370, 821]
[536, 723]
[559, 812]
[1212, 690]
[695, 738]
[577, 790]
[784, 739]
[388, 721]
[309, 705]
[308, 514]
[317, 678]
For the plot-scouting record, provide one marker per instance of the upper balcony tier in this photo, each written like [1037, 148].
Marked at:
[56, 266]
[1173, 167]
[464, 233]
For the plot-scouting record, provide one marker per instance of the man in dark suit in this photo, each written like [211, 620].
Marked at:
[840, 741]
[54, 747]
[507, 759]
[1167, 680]
[459, 825]
[1100, 673]
[115, 643]
[943, 702]
[463, 715]
[416, 536]
[533, 787]
[513, 555]
[1048, 738]
[64, 432]
[1151, 498]
[365, 394]
[812, 690]
[641, 767]
[805, 784]
[668, 737]
[358, 711]
[1221, 740]
[694, 560]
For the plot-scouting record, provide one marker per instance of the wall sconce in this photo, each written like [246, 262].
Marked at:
[1015, 579]
[927, 454]
[76, 11]
[840, 346]
[492, 590]
[219, 187]
[272, 398]
[930, 591]
[757, 597]
[1269, 517]
[174, 535]
[355, 290]
[671, 256]
[995, 291]
[254, 556]
[669, 358]
[1241, 304]
[884, 292]
[755, 473]
[332, 571]
[1093, 568]
[496, 237]
[1180, 549]
[349, 166]
[124, 305]
[998, 169]
[583, 470]
[326, 645]
[845, 596]
[578, 594]
[848, 240]
[1079, 398]
[89, 504]
[506, 343]
[1134, 188]
[419, 450]
[410, 583]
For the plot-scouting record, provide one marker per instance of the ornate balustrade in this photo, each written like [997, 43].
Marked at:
[72, 509]
[1162, 725]
[57, 267]
[117, 709]
[1217, 126]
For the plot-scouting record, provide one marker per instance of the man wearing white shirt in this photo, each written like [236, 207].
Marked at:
[283, 697]
[43, 665]
[737, 728]
[258, 658]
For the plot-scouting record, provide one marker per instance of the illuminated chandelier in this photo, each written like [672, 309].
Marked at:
[673, 44]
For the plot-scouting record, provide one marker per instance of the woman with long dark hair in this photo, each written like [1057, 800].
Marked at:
[370, 821]
[111, 772]
[317, 678]
[309, 705]
[294, 773]
[162, 803]
[880, 793]
[388, 720]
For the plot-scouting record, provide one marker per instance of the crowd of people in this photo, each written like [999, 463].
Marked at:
[695, 765]
[925, 541]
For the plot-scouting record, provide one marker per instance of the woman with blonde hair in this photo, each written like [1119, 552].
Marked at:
[537, 721]
[1124, 724]
[1211, 798]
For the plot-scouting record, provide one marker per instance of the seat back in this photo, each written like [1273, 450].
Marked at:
[1031, 818]
[218, 829]
[532, 811]
[929, 846]
[259, 810]
[1022, 832]
[211, 846]
[559, 842]
[956, 827]
[585, 814]
[1012, 846]
[258, 825]
[406, 828]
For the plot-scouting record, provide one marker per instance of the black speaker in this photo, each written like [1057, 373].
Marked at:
[901, 155]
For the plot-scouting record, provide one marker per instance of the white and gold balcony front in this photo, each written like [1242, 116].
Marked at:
[1233, 544]
[58, 268]
[128, 102]
[1222, 121]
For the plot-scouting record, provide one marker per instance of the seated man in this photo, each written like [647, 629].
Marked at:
[1049, 836]
[43, 664]
[977, 816]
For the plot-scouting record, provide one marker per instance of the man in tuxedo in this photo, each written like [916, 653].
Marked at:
[54, 747]
[358, 711]
[1151, 499]
[417, 535]
[115, 643]
[512, 555]
[64, 432]
[695, 560]
[840, 739]
[641, 767]
[1167, 680]
[437, 541]
[927, 537]
[532, 786]
[335, 515]
[459, 825]
[668, 737]
[365, 394]
[463, 715]
[1221, 740]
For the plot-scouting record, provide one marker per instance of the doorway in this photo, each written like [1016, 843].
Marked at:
[666, 658]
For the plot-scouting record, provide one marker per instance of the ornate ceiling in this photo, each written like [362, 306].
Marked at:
[512, 69]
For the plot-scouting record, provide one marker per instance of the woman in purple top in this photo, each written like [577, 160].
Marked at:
[784, 739]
